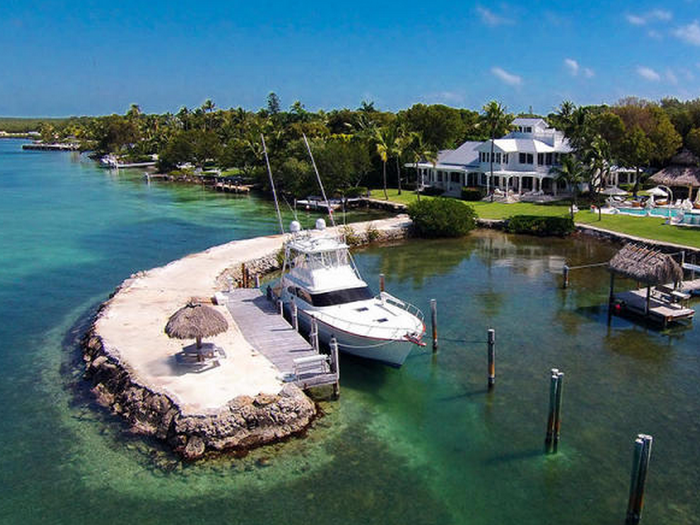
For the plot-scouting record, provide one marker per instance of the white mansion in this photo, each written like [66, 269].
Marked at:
[522, 162]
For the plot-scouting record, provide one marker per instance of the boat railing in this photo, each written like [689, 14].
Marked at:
[383, 332]
[411, 309]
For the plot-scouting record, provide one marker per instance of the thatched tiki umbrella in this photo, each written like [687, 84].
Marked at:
[644, 265]
[194, 321]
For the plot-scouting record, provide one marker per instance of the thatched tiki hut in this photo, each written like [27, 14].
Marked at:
[195, 321]
[683, 172]
[644, 265]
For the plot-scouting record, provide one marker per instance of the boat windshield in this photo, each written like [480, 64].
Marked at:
[349, 295]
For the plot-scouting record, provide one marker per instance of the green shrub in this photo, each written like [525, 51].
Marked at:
[442, 217]
[472, 194]
[540, 226]
[371, 233]
[432, 191]
[350, 236]
[357, 191]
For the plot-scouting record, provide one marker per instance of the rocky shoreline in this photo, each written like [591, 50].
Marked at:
[243, 422]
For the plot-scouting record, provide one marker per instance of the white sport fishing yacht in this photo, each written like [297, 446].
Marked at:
[320, 277]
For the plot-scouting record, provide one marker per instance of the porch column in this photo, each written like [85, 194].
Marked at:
[554, 186]
[520, 184]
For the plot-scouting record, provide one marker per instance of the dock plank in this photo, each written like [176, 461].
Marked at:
[271, 335]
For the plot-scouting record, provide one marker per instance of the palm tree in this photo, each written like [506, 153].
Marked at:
[573, 172]
[496, 119]
[384, 138]
[419, 150]
[401, 142]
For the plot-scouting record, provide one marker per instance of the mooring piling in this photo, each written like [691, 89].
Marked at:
[640, 467]
[491, 340]
[295, 316]
[381, 282]
[557, 410]
[335, 367]
[313, 334]
[244, 281]
[280, 307]
[565, 280]
[257, 280]
[433, 321]
[551, 440]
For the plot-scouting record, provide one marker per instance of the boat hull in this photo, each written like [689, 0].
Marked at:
[388, 352]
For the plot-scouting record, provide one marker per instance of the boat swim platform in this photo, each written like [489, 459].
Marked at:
[661, 311]
[269, 333]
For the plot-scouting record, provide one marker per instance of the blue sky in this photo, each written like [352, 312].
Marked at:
[97, 57]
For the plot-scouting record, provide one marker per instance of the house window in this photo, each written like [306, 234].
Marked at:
[505, 158]
[439, 178]
[454, 177]
[540, 159]
[526, 158]
[528, 129]
[557, 158]
[548, 160]
[498, 158]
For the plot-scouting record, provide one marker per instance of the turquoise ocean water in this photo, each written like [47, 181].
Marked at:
[422, 444]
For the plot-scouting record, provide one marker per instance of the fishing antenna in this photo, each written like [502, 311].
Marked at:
[318, 177]
[272, 184]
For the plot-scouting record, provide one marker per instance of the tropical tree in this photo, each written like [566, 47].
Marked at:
[419, 150]
[384, 139]
[402, 139]
[636, 152]
[573, 172]
[496, 120]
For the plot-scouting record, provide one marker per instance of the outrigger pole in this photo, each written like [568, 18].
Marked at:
[272, 183]
[318, 177]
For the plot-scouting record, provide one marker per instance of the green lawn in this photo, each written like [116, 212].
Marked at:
[647, 227]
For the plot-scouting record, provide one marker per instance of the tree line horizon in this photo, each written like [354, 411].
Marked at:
[366, 146]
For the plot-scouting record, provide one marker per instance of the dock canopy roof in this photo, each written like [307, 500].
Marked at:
[645, 265]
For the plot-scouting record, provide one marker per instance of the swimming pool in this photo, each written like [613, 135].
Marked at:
[659, 212]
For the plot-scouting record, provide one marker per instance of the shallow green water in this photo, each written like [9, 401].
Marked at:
[423, 444]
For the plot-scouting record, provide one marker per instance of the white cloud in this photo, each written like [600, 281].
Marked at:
[652, 33]
[571, 65]
[588, 72]
[492, 19]
[508, 78]
[689, 33]
[448, 97]
[636, 20]
[671, 77]
[655, 15]
[648, 74]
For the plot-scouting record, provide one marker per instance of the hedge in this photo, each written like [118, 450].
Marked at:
[540, 226]
[442, 217]
[472, 194]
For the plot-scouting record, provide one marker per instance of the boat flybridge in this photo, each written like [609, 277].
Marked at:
[320, 277]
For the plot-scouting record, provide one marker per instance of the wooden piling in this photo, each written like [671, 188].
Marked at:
[381, 282]
[433, 321]
[549, 438]
[557, 411]
[565, 280]
[335, 367]
[295, 316]
[611, 297]
[280, 306]
[313, 334]
[491, 339]
[244, 284]
[257, 280]
[640, 467]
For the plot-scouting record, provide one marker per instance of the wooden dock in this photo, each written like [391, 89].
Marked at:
[661, 311]
[271, 335]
